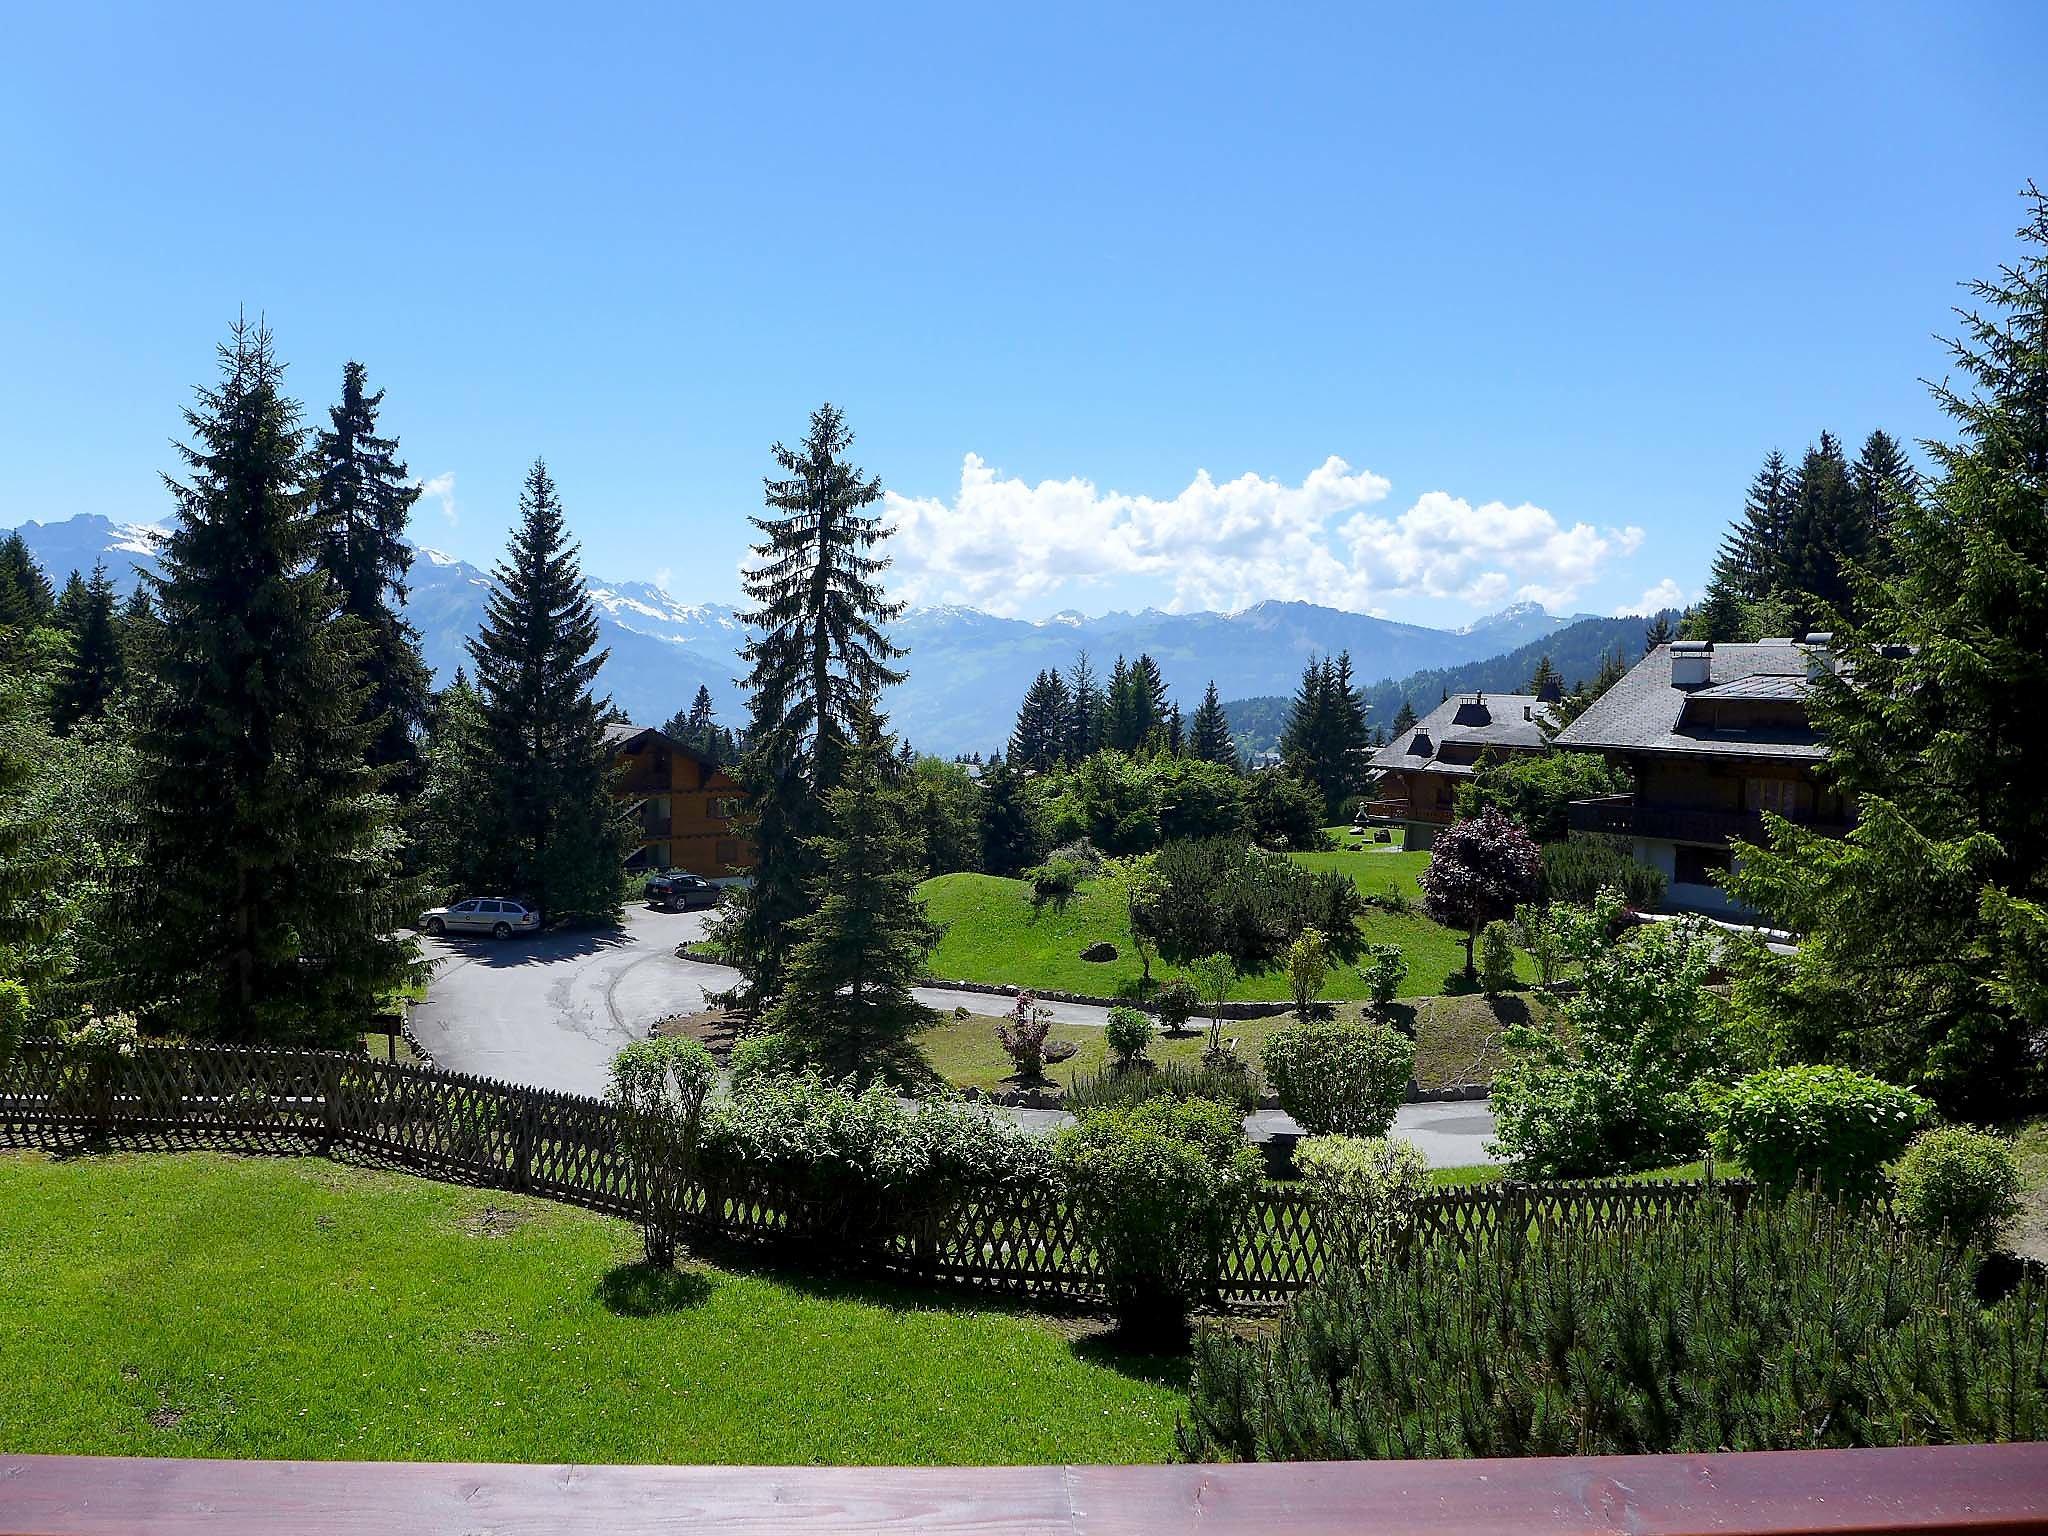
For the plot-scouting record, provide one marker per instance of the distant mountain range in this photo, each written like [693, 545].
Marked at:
[968, 669]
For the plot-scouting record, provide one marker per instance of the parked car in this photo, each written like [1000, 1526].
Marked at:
[499, 916]
[677, 890]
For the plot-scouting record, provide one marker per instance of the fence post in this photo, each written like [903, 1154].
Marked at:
[522, 1143]
[330, 1104]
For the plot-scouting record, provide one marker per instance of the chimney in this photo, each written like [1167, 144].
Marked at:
[1528, 712]
[1820, 653]
[1692, 663]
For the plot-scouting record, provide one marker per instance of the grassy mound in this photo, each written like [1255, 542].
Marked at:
[202, 1305]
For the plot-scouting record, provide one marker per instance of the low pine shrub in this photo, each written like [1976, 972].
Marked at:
[1796, 1325]
[1579, 869]
[1956, 1184]
[1230, 1085]
[1159, 1184]
[1340, 1076]
[1827, 1126]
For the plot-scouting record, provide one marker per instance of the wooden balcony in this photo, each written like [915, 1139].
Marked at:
[1621, 816]
[1403, 810]
[1944, 1488]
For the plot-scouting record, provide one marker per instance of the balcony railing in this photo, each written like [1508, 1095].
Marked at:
[1404, 810]
[1928, 1488]
[1622, 816]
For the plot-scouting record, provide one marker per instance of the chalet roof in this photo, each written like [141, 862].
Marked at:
[621, 737]
[1647, 712]
[1509, 721]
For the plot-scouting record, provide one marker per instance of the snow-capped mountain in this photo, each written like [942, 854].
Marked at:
[968, 669]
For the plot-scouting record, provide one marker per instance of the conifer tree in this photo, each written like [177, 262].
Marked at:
[819, 648]
[92, 674]
[71, 604]
[365, 496]
[1038, 742]
[846, 998]
[1404, 719]
[274, 897]
[1324, 742]
[454, 816]
[26, 600]
[1010, 841]
[1883, 477]
[1087, 711]
[1545, 676]
[1747, 566]
[560, 837]
[1825, 537]
[1657, 632]
[1210, 739]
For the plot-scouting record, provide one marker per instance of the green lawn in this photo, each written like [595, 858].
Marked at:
[994, 935]
[203, 1305]
[1457, 1040]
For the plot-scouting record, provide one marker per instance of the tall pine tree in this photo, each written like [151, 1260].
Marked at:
[818, 649]
[92, 673]
[273, 896]
[365, 496]
[1039, 740]
[1087, 711]
[560, 836]
[1209, 738]
[1324, 743]
[26, 600]
[1825, 537]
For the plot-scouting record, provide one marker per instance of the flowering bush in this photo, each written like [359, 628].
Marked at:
[1022, 1034]
[1828, 1126]
[1958, 1184]
[102, 1037]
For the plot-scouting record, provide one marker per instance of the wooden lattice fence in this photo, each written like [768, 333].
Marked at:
[471, 1130]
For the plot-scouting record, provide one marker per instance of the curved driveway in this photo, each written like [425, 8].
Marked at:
[553, 1010]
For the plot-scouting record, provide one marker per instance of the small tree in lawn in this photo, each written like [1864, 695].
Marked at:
[1137, 884]
[1308, 967]
[1022, 1035]
[1384, 970]
[1214, 976]
[1176, 1004]
[1127, 1033]
[1497, 957]
[1479, 871]
[659, 1087]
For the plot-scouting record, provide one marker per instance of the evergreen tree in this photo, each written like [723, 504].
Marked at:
[1118, 719]
[1545, 677]
[1210, 740]
[364, 498]
[1043, 724]
[1657, 632]
[559, 837]
[1825, 537]
[1404, 720]
[1324, 742]
[91, 675]
[1087, 710]
[818, 649]
[1010, 839]
[72, 602]
[697, 728]
[1926, 948]
[454, 816]
[137, 631]
[25, 597]
[1883, 477]
[846, 998]
[273, 894]
[1148, 712]
[1746, 568]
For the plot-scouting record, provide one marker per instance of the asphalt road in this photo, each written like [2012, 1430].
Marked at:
[553, 1010]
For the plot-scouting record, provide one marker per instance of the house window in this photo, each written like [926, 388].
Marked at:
[1700, 866]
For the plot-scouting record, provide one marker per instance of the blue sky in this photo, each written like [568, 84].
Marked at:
[1547, 281]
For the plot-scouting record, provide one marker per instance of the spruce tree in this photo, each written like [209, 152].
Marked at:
[26, 600]
[1747, 565]
[846, 999]
[1825, 538]
[92, 673]
[1038, 742]
[453, 817]
[1883, 477]
[1210, 739]
[560, 836]
[365, 496]
[818, 649]
[273, 896]
[1657, 632]
[1010, 840]
[1404, 720]
[1545, 676]
[1087, 711]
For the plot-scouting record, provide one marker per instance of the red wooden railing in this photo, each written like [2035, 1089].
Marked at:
[1951, 1488]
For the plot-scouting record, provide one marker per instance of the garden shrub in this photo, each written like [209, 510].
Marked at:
[659, 1087]
[1829, 1126]
[1367, 1185]
[1127, 1033]
[1159, 1184]
[1224, 895]
[1580, 868]
[1496, 957]
[1022, 1035]
[1308, 967]
[1384, 970]
[13, 1018]
[772, 1054]
[1231, 1085]
[1621, 1078]
[1177, 1002]
[1055, 881]
[1344, 1077]
[1957, 1184]
[1795, 1325]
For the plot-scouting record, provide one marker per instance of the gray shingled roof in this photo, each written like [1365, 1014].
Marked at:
[1465, 719]
[1645, 713]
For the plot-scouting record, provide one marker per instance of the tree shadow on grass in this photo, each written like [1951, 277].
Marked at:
[1138, 1361]
[651, 1290]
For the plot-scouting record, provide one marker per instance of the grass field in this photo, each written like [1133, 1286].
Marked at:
[202, 1305]
[1457, 1041]
[994, 935]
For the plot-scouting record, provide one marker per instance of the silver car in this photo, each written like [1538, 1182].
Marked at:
[498, 916]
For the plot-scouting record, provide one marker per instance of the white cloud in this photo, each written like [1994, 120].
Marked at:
[1666, 594]
[442, 488]
[1003, 544]
[661, 577]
